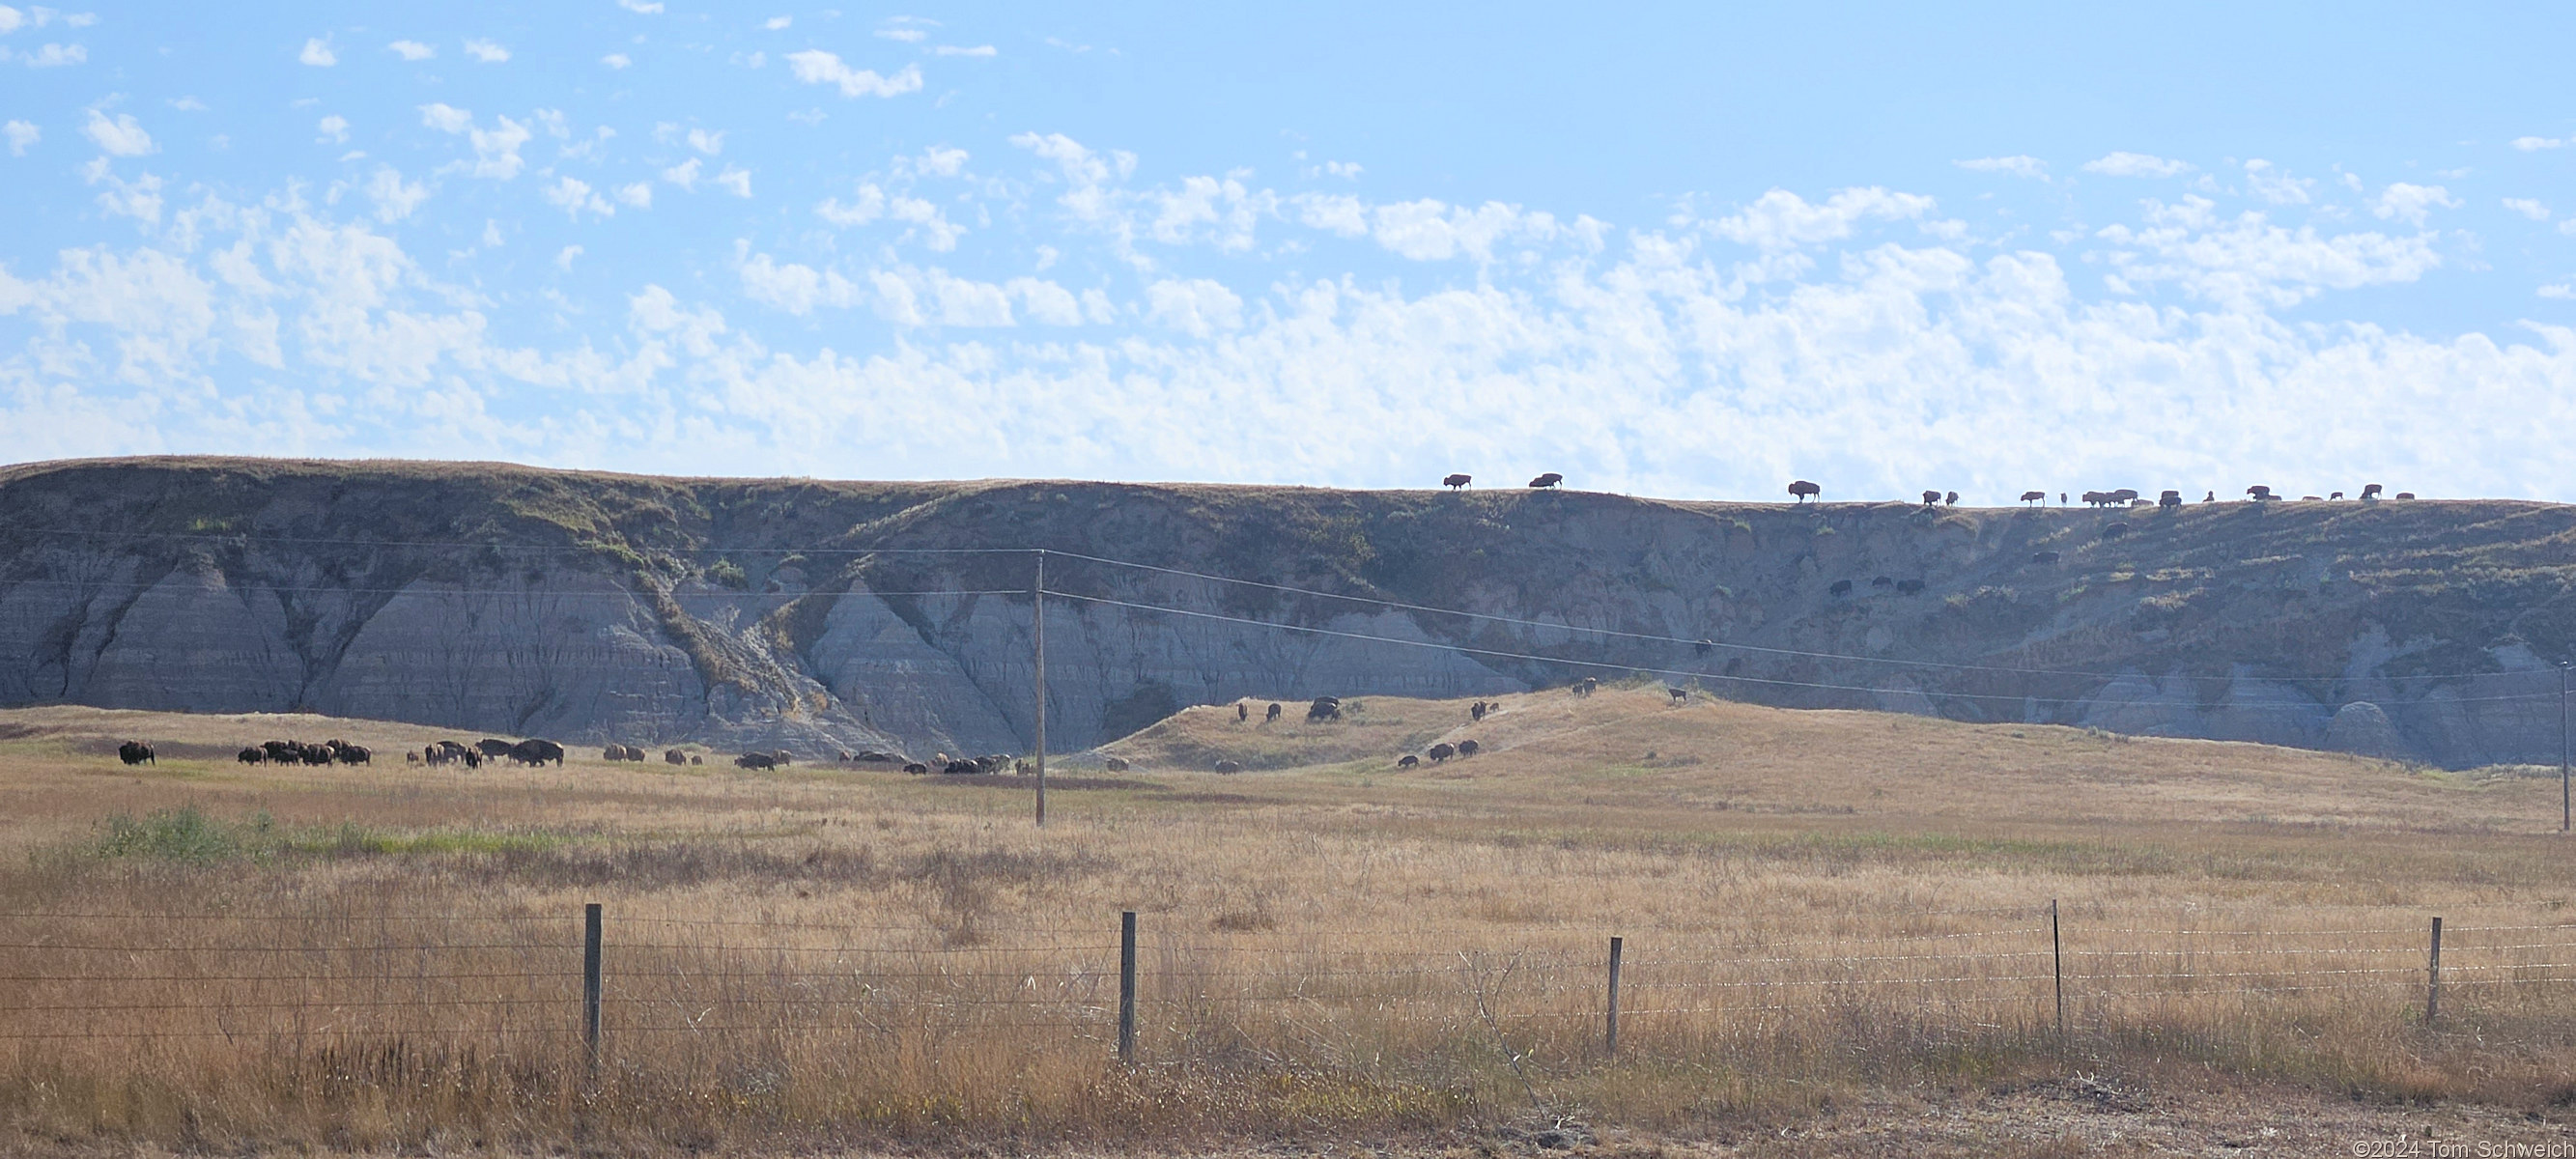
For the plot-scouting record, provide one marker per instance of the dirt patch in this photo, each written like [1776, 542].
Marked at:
[998, 781]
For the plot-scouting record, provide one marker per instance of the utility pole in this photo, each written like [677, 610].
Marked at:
[2565, 814]
[1037, 606]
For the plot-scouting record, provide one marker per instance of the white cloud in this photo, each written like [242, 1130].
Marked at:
[334, 129]
[486, 51]
[2559, 290]
[1780, 220]
[51, 56]
[1197, 307]
[735, 181]
[706, 142]
[2273, 185]
[869, 206]
[573, 196]
[139, 199]
[684, 174]
[2411, 203]
[955, 50]
[189, 105]
[1346, 170]
[639, 195]
[122, 136]
[412, 50]
[446, 118]
[940, 161]
[616, 60]
[1339, 213]
[2031, 167]
[2534, 144]
[1045, 302]
[2136, 165]
[906, 35]
[778, 23]
[22, 136]
[794, 288]
[648, 7]
[935, 230]
[815, 66]
[395, 198]
[564, 257]
[11, 19]
[2528, 208]
[496, 150]
[317, 52]
[2246, 263]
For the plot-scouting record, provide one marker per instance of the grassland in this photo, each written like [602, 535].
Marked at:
[1828, 918]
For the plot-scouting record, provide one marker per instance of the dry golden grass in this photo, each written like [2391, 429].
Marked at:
[1813, 904]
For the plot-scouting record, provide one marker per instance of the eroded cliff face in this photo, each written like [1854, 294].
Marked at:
[823, 616]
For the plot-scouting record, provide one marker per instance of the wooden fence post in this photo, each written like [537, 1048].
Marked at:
[1127, 986]
[1610, 1045]
[2433, 978]
[590, 984]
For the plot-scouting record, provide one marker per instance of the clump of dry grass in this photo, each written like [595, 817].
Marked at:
[1812, 904]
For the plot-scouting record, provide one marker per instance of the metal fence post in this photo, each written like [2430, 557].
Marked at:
[1127, 986]
[2057, 958]
[590, 984]
[1610, 1044]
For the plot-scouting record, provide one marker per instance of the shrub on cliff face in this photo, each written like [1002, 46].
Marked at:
[729, 574]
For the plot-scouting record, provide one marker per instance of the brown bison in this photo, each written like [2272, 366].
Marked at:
[2169, 500]
[250, 756]
[674, 757]
[1455, 482]
[1229, 766]
[755, 761]
[916, 768]
[1466, 748]
[1931, 498]
[1242, 712]
[1546, 481]
[1802, 490]
[537, 752]
[135, 752]
[1117, 764]
[2034, 496]
[1441, 752]
[1407, 761]
[2369, 492]
[1271, 715]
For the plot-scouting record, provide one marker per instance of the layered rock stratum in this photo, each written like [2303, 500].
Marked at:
[840, 615]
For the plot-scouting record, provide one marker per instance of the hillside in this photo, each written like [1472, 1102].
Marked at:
[497, 598]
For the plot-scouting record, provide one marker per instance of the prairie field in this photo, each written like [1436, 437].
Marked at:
[1825, 919]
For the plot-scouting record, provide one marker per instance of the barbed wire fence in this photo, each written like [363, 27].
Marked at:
[640, 990]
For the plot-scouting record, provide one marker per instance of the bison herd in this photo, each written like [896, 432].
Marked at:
[1546, 482]
[288, 752]
[1803, 490]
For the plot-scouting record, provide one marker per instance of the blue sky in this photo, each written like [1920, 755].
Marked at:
[1683, 250]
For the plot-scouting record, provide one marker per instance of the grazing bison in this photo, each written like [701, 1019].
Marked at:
[674, 757]
[1242, 712]
[960, 767]
[1547, 481]
[2124, 495]
[2043, 557]
[1840, 588]
[1455, 482]
[1407, 761]
[1587, 686]
[2259, 492]
[135, 752]
[755, 761]
[1324, 708]
[1229, 766]
[1466, 748]
[2169, 500]
[493, 749]
[1802, 490]
[537, 752]
[1907, 587]
[1950, 500]
[1441, 752]
[250, 756]
[2034, 496]
[1931, 498]
[2333, 495]
[1678, 694]
[2114, 530]
[410, 757]
[615, 752]
[282, 751]
[2405, 494]
[916, 768]
[2369, 492]
[1114, 764]
[695, 759]
[353, 754]
[1881, 582]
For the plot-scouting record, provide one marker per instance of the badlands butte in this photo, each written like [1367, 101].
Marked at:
[814, 615]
